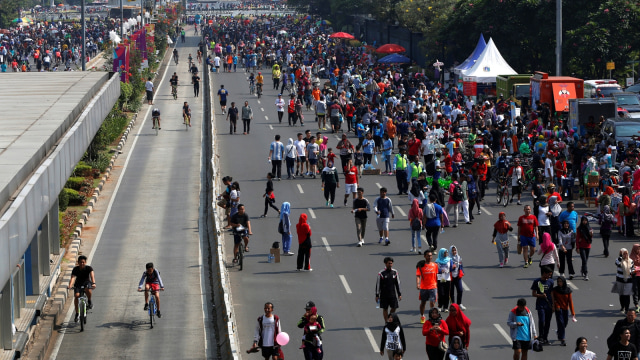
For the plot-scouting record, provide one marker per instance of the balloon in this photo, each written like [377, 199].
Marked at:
[282, 339]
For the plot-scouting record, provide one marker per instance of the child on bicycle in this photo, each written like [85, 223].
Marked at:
[152, 281]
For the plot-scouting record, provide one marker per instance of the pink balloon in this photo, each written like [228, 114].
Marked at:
[282, 338]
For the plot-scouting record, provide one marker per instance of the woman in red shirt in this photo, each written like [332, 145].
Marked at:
[434, 329]
[584, 237]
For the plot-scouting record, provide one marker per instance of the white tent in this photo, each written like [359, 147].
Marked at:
[489, 65]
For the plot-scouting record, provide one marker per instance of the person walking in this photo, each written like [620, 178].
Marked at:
[581, 352]
[269, 196]
[312, 352]
[291, 155]
[474, 197]
[566, 243]
[624, 279]
[541, 290]
[304, 242]
[330, 181]
[623, 349]
[528, 234]
[350, 180]
[383, 207]
[433, 221]
[232, 117]
[606, 225]
[346, 149]
[276, 154]
[501, 230]
[456, 196]
[584, 237]
[635, 257]
[427, 282]
[456, 350]
[247, 116]
[400, 166]
[444, 279]
[280, 104]
[267, 330]
[415, 223]
[549, 252]
[360, 208]
[522, 329]
[387, 286]
[392, 337]
[563, 304]
[459, 326]
[285, 213]
[149, 89]
[435, 330]
[195, 80]
[457, 272]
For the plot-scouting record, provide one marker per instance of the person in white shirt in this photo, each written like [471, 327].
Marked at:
[301, 147]
[149, 88]
[280, 104]
[267, 329]
[548, 168]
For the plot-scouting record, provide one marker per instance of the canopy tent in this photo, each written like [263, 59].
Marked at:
[467, 64]
[489, 65]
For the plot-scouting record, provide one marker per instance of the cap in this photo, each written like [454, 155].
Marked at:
[309, 305]
[279, 94]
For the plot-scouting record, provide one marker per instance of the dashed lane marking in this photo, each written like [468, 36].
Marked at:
[300, 189]
[270, 127]
[487, 211]
[503, 333]
[400, 210]
[372, 340]
[379, 186]
[313, 215]
[344, 283]
[326, 243]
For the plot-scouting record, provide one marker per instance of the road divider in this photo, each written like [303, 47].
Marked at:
[300, 188]
[345, 284]
[313, 214]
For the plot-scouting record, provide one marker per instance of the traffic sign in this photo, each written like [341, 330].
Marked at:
[611, 65]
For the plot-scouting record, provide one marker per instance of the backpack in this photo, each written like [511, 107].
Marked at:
[457, 193]
[416, 224]
[280, 227]
[430, 211]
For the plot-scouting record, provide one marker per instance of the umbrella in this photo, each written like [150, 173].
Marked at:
[341, 35]
[28, 39]
[60, 5]
[394, 58]
[308, 17]
[390, 49]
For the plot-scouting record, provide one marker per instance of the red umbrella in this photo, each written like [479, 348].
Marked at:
[341, 35]
[390, 49]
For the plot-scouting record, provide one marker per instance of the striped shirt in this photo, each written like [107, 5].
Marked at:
[620, 271]
[277, 149]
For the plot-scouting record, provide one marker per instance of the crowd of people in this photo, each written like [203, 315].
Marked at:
[444, 149]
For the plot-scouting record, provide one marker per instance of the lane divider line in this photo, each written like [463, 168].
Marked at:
[266, 117]
[503, 333]
[313, 214]
[344, 283]
[464, 286]
[300, 189]
[487, 211]
[270, 127]
[400, 210]
[326, 243]
[372, 340]
[262, 109]
[379, 186]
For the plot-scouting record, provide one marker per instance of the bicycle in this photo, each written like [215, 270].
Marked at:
[153, 309]
[83, 300]
[502, 192]
[241, 232]
[252, 88]
[187, 121]
[259, 90]
[156, 125]
[174, 92]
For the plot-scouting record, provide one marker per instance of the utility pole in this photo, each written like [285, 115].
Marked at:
[558, 37]
[84, 37]
[121, 21]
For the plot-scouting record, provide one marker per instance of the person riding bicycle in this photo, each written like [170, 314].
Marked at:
[186, 113]
[155, 114]
[152, 281]
[82, 275]
[502, 163]
[190, 60]
[241, 218]
[252, 80]
[260, 81]
[175, 55]
[174, 83]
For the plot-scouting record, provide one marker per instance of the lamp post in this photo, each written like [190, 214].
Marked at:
[558, 37]
[84, 37]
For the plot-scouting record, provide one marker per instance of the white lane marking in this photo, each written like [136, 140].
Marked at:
[259, 102]
[569, 283]
[400, 210]
[266, 118]
[344, 283]
[300, 189]
[372, 340]
[67, 318]
[313, 215]
[464, 286]
[326, 243]
[379, 186]
[487, 211]
[337, 137]
[270, 127]
[262, 108]
[503, 333]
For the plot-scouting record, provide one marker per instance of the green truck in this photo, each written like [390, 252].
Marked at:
[515, 87]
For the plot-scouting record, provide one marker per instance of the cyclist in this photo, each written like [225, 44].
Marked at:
[152, 281]
[186, 113]
[252, 82]
[82, 275]
[174, 83]
[222, 94]
[155, 114]
[502, 164]
[175, 55]
[260, 82]
[240, 218]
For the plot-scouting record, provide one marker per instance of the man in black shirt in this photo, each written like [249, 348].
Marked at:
[195, 80]
[82, 275]
[623, 350]
[387, 284]
[629, 322]
[232, 116]
[240, 218]
[360, 208]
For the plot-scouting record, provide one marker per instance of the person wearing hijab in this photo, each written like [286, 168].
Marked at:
[457, 272]
[584, 237]
[392, 336]
[456, 350]
[330, 181]
[549, 252]
[605, 198]
[415, 223]
[434, 330]
[635, 257]
[556, 210]
[438, 192]
[563, 303]
[444, 279]
[291, 152]
[500, 232]
[566, 244]
[624, 279]
[304, 242]
[627, 211]
[606, 225]
[459, 326]
[285, 212]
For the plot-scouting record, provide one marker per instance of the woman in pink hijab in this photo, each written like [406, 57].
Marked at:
[549, 253]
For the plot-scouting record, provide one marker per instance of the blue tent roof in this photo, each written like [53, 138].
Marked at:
[471, 60]
[394, 58]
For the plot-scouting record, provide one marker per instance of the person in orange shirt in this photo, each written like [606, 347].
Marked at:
[427, 282]
[229, 63]
[316, 93]
[391, 130]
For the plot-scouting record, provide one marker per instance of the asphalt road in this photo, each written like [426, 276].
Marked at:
[343, 281]
[154, 218]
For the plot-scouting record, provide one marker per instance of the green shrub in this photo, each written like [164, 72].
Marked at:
[74, 182]
[82, 169]
[63, 200]
[75, 198]
[101, 161]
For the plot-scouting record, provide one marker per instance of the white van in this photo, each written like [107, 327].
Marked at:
[606, 86]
